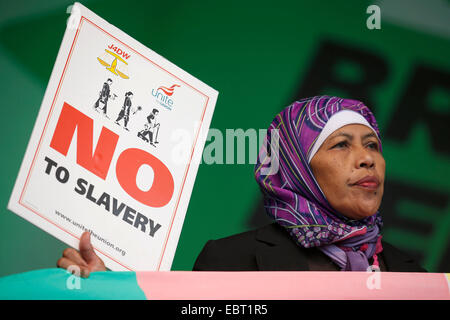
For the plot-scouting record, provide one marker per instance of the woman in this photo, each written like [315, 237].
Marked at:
[324, 198]
[125, 111]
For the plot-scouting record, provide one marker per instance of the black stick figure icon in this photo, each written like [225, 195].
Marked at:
[151, 129]
[103, 97]
[125, 111]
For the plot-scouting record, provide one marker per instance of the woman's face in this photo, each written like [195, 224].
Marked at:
[349, 168]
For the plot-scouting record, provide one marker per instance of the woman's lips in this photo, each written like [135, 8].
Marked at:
[369, 182]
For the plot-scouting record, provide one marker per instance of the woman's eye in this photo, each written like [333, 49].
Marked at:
[373, 145]
[341, 144]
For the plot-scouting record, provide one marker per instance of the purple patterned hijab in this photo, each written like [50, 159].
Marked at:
[292, 195]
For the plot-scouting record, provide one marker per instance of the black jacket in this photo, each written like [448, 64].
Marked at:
[271, 248]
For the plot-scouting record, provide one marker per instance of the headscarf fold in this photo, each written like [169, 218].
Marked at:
[292, 196]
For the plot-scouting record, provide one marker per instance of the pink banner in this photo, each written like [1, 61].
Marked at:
[186, 285]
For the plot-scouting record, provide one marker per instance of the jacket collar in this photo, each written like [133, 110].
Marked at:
[276, 250]
[397, 261]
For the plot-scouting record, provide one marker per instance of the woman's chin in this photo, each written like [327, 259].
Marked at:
[363, 211]
[363, 205]
[358, 209]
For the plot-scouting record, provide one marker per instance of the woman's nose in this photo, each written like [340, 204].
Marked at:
[364, 159]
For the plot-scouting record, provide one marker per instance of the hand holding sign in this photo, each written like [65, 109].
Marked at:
[85, 259]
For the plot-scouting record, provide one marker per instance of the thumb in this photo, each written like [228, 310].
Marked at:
[86, 249]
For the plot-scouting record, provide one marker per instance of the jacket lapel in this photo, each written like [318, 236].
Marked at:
[396, 261]
[276, 251]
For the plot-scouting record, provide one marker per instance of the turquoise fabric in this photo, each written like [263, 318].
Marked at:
[58, 284]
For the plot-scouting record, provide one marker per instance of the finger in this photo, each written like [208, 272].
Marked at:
[86, 249]
[72, 267]
[64, 263]
[75, 256]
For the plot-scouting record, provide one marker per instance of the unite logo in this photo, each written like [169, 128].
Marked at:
[163, 94]
[114, 59]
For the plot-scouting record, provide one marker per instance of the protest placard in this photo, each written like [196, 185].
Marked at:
[115, 147]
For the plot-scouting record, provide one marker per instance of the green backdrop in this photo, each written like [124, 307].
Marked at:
[260, 56]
